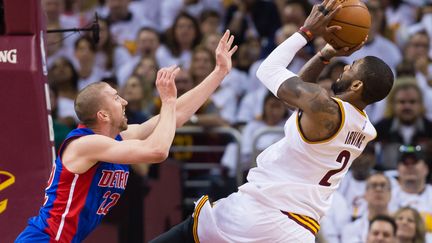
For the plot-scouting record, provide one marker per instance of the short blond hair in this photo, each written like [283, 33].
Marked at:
[88, 103]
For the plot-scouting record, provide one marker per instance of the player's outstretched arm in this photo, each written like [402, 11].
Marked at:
[82, 153]
[191, 101]
[321, 114]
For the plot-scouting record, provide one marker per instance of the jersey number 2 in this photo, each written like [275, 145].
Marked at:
[343, 158]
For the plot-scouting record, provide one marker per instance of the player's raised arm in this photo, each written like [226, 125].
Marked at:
[191, 101]
[285, 84]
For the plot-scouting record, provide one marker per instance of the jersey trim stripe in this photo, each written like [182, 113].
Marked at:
[360, 111]
[69, 202]
[341, 108]
[304, 221]
[196, 214]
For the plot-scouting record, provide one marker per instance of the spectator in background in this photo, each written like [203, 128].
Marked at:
[382, 229]
[63, 78]
[249, 52]
[237, 80]
[88, 72]
[294, 12]
[210, 22]
[134, 92]
[252, 18]
[251, 106]
[410, 226]
[377, 196]
[171, 8]
[224, 98]
[210, 41]
[202, 64]
[181, 39]
[353, 185]
[55, 47]
[146, 71]
[60, 130]
[410, 188]
[124, 24]
[406, 125]
[274, 115]
[109, 56]
[147, 46]
[55, 16]
[398, 16]
[416, 53]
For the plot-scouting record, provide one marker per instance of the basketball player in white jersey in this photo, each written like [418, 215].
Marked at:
[291, 188]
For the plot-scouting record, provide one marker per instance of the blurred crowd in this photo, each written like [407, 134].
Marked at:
[392, 177]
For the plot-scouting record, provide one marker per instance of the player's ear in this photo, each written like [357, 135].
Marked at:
[102, 115]
[356, 85]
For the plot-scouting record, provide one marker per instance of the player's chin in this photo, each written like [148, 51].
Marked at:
[124, 126]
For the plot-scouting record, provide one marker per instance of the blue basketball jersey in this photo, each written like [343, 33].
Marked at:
[76, 203]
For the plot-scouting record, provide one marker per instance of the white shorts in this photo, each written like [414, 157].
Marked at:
[240, 218]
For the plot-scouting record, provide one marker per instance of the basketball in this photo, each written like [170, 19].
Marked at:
[355, 20]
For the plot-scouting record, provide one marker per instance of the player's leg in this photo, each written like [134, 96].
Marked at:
[179, 233]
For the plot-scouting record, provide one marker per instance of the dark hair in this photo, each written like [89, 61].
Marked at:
[108, 47]
[75, 77]
[269, 96]
[420, 231]
[209, 13]
[87, 39]
[384, 218]
[148, 29]
[405, 86]
[171, 39]
[395, 4]
[307, 7]
[379, 173]
[377, 78]
[405, 68]
[422, 32]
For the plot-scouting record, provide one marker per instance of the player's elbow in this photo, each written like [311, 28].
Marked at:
[266, 70]
[160, 154]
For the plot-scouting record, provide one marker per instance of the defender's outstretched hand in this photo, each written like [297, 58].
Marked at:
[224, 52]
[165, 83]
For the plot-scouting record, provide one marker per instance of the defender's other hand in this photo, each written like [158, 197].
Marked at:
[224, 52]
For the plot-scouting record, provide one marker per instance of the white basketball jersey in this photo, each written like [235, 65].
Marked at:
[298, 176]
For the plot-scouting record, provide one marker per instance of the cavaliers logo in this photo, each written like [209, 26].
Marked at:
[6, 180]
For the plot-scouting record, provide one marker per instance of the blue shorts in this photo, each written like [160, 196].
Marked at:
[32, 234]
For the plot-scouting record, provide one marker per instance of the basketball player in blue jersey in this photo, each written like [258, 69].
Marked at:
[91, 170]
[291, 188]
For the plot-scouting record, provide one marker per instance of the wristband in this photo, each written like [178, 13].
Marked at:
[307, 33]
